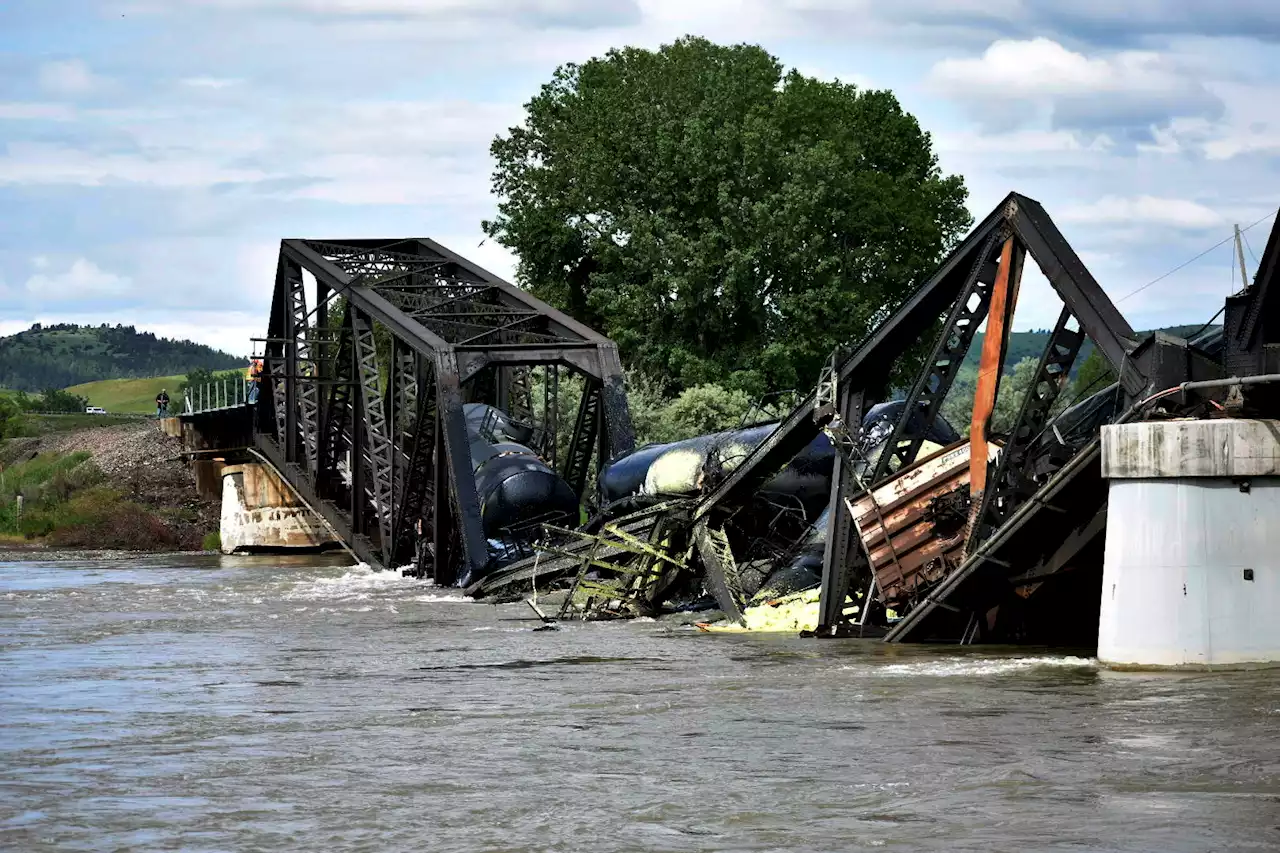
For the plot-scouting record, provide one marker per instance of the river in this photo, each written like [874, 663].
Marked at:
[244, 704]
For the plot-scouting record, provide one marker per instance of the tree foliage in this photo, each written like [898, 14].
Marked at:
[957, 408]
[699, 410]
[724, 222]
[1095, 374]
[51, 400]
[10, 417]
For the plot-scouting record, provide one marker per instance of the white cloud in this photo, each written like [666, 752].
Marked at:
[36, 112]
[1144, 210]
[1020, 142]
[390, 152]
[1130, 88]
[574, 14]
[210, 82]
[39, 163]
[1021, 69]
[70, 77]
[82, 280]
[1081, 21]
[1249, 142]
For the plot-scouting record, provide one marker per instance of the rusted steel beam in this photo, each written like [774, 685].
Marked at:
[1010, 482]
[1004, 298]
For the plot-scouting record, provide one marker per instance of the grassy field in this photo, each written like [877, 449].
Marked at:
[130, 395]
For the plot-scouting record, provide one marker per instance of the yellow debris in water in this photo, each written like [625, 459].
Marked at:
[790, 614]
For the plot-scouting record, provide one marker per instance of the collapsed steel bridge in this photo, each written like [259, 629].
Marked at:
[374, 349]
[996, 538]
[382, 355]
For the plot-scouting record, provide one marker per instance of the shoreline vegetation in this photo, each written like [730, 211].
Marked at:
[96, 488]
[68, 502]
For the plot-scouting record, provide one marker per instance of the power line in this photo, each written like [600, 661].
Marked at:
[1184, 264]
[1251, 252]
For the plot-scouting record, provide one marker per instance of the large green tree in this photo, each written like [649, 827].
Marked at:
[723, 221]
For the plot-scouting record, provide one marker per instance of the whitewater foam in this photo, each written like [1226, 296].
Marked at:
[970, 667]
[358, 583]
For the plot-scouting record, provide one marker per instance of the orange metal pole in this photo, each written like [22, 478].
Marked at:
[1004, 295]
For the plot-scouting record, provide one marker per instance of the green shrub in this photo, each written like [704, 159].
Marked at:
[42, 482]
[212, 541]
[703, 409]
[65, 500]
[99, 518]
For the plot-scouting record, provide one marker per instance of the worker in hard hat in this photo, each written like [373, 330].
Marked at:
[255, 379]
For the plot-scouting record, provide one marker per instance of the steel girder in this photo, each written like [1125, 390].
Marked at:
[364, 415]
[959, 293]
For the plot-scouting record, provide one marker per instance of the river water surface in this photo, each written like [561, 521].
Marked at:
[210, 704]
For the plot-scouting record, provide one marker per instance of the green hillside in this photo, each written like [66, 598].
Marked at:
[62, 355]
[1031, 345]
[126, 396]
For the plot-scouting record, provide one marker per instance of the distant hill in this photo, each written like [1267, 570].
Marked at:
[57, 356]
[1031, 345]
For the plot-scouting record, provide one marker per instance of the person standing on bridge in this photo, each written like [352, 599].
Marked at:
[255, 379]
[162, 403]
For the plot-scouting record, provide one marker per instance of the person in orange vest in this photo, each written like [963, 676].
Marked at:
[255, 379]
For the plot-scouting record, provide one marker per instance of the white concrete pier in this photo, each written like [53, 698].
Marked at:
[260, 513]
[1192, 567]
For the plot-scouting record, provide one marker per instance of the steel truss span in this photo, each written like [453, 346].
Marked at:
[374, 348]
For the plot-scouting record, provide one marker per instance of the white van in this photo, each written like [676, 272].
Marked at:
[95, 410]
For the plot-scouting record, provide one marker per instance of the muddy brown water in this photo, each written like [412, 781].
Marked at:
[228, 704]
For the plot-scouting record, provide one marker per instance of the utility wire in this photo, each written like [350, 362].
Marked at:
[1251, 252]
[1184, 264]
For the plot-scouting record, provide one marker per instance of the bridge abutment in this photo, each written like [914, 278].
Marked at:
[261, 514]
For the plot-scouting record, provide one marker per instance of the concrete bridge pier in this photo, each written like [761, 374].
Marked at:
[1191, 578]
[261, 514]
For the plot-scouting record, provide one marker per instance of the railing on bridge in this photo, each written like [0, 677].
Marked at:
[217, 396]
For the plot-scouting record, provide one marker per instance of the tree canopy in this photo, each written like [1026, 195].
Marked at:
[723, 221]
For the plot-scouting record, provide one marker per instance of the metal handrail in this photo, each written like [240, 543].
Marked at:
[223, 394]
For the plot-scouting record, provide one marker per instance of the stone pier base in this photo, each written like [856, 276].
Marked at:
[261, 514]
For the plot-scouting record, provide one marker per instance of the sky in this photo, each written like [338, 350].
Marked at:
[153, 153]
